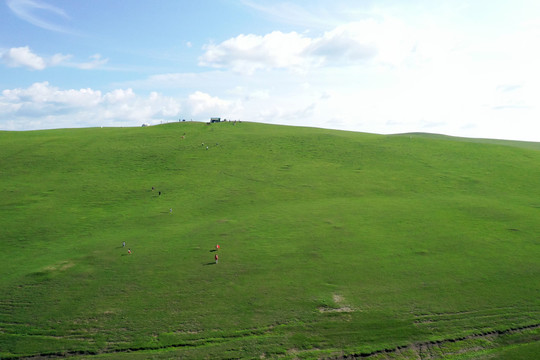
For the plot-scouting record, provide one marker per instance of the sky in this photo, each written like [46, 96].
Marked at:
[459, 68]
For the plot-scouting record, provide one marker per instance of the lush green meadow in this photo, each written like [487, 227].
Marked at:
[332, 243]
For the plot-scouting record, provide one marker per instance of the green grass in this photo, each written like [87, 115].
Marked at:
[415, 238]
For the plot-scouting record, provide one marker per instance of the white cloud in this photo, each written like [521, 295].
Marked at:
[350, 42]
[23, 56]
[386, 41]
[41, 93]
[44, 106]
[59, 59]
[96, 61]
[201, 103]
[247, 53]
[119, 96]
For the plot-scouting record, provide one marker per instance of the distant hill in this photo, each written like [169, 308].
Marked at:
[522, 144]
[332, 244]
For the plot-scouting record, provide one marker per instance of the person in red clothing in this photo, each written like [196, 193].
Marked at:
[217, 247]
[129, 251]
[216, 258]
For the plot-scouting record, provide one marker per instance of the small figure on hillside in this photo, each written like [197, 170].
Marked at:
[123, 244]
[152, 188]
[207, 148]
[159, 193]
[170, 210]
[216, 258]
[217, 247]
[129, 251]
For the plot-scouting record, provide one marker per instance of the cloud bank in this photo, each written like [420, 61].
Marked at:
[42, 106]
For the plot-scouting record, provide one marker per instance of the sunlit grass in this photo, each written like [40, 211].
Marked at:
[331, 242]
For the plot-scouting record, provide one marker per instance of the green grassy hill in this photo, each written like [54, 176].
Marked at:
[332, 243]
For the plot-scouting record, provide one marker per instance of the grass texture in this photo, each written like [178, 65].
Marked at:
[332, 243]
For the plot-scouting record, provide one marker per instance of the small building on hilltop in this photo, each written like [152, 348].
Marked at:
[215, 120]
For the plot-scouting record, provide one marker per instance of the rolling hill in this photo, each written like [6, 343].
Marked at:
[332, 244]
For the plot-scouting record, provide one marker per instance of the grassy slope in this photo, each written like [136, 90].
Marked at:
[423, 238]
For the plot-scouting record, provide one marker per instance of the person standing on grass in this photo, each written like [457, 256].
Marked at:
[123, 244]
[129, 251]
[217, 247]
[216, 258]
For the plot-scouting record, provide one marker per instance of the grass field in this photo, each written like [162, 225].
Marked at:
[332, 243]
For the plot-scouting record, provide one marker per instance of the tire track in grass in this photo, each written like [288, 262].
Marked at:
[500, 313]
[247, 333]
[428, 350]
[420, 350]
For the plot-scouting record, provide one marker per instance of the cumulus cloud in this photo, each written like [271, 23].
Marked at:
[43, 93]
[387, 42]
[350, 43]
[44, 106]
[24, 57]
[247, 53]
[201, 103]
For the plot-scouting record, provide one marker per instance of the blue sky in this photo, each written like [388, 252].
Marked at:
[464, 68]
